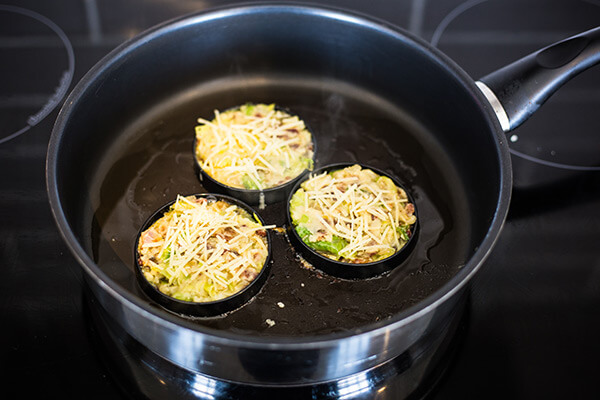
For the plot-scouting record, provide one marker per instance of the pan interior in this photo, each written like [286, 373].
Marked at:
[150, 161]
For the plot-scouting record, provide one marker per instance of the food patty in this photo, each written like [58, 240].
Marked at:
[255, 147]
[352, 215]
[202, 249]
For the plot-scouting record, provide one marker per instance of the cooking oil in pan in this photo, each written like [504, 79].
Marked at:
[152, 162]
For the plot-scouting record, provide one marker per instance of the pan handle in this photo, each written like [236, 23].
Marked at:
[519, 89]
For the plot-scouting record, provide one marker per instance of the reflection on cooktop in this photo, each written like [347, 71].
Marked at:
[411, 375]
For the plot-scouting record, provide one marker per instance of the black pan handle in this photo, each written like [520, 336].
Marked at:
[520, 88]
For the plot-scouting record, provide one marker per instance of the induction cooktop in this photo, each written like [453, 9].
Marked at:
[531, 323]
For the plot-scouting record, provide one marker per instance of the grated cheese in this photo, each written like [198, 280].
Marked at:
[356, 205]
[202, 250]
[253, 147]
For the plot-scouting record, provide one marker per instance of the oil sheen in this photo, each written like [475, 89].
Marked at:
[152, 162]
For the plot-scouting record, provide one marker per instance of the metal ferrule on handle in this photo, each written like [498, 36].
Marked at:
[519, 89]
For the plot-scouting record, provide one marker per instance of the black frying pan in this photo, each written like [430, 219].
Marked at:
[371, 94]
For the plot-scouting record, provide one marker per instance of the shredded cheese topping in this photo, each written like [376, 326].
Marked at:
[202, 250]
[352, 215]
[253, 147]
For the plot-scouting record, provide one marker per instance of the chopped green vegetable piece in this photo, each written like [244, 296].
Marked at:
[297, 202]
[249, 183]
[334, 247]
[309, 163]
[166, 254]
[304, 233]
[403, 231]
[248, 108]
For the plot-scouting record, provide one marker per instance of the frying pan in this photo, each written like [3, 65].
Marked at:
[372, 93]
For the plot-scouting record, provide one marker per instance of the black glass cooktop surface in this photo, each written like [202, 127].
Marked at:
[531, 323]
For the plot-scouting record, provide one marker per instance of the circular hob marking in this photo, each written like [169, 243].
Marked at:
[524, 152]
[20, 51]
